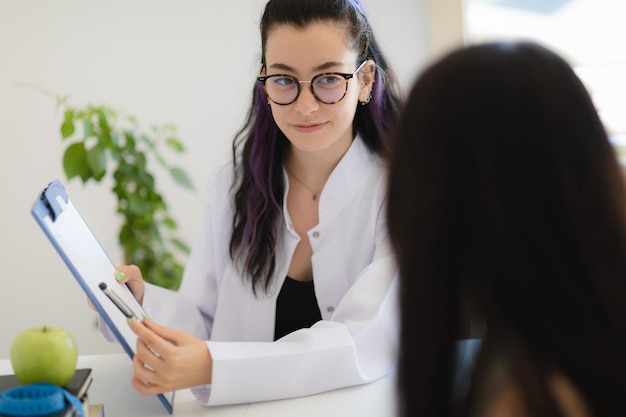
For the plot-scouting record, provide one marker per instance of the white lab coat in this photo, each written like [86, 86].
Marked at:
[355, 285]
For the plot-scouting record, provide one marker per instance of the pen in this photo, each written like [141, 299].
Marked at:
[119, 303]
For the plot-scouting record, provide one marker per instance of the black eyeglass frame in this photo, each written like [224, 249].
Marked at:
[346, 77]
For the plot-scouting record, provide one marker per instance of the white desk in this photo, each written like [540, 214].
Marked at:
[111, 387]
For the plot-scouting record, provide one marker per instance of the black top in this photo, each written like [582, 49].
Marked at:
[296, 307]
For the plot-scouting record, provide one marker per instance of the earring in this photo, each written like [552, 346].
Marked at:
[367, 99]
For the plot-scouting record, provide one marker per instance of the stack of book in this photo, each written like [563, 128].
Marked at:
[78, 386]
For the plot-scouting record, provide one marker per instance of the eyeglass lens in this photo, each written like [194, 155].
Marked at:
[327, 88]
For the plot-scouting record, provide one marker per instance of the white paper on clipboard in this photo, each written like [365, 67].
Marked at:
[89, 263]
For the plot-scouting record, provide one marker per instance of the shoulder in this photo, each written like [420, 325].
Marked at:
[568, 397]
[360, 165]
[224, 175]
[219, 197]
[508, 400]
[221, 184]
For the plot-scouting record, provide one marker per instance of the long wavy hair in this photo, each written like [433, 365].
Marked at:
[506, 197]
[259, 146]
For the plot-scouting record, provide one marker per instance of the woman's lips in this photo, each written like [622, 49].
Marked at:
[308, 128]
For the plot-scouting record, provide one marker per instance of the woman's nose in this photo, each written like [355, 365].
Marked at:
[306, 103]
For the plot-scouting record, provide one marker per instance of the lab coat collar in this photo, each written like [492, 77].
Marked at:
[347, 177]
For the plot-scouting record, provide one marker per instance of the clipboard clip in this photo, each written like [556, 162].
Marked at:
[54, 205]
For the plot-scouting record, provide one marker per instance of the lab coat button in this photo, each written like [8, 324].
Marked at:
[316, 234]
[330, 309]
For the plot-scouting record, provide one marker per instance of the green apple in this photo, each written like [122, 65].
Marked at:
[44, 354]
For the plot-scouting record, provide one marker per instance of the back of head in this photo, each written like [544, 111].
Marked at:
[507, 201]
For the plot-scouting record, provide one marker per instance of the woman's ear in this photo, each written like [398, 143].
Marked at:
[367, 76]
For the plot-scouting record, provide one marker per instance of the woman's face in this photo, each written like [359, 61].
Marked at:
[321, 47]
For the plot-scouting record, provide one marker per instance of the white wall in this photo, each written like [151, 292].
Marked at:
[162, 61]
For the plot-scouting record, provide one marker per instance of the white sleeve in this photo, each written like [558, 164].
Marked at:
[210, 252]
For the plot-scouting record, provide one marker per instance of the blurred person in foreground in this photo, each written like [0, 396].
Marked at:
[507, 214]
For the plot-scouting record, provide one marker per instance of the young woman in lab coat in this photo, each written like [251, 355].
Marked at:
[289, 289]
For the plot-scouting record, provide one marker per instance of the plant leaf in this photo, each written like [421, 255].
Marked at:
[175, 144]
[148, 141]
[170, 223]
[75, 162]
[137, 205]
[116, 141]
[180, 245]
[67, 128]
[87, 128]
[181, 178]
[97, 161]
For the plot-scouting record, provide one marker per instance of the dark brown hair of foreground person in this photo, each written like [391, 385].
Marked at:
[507, 208]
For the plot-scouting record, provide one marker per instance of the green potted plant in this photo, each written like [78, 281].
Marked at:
[102, 142]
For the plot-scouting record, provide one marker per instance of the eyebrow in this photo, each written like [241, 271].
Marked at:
[323, 67]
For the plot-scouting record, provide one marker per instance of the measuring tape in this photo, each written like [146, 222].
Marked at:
[37, 400]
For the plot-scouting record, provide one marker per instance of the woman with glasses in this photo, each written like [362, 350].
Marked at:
[507, 211]
[289, 289]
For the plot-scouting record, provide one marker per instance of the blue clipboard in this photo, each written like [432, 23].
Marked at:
[89, 263]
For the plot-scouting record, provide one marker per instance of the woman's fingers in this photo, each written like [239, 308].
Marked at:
[168, 359]
[147, 363]
[131, 276]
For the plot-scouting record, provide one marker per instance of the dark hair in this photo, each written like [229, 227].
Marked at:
[506, 200]
[258, 147]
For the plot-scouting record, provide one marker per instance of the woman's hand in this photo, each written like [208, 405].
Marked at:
[168, 360]
[131, 276]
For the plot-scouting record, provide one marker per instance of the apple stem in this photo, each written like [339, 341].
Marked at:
[45, 329]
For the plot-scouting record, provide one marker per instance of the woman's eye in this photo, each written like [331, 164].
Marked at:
[283, 81]
[329, 81]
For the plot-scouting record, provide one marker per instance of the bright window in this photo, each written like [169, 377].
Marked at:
[589, 34]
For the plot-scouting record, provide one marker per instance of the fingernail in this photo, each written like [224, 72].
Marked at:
[120, 276]
[143, 316]
[129, 322]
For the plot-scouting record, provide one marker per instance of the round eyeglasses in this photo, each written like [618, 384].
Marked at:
[327, 88]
